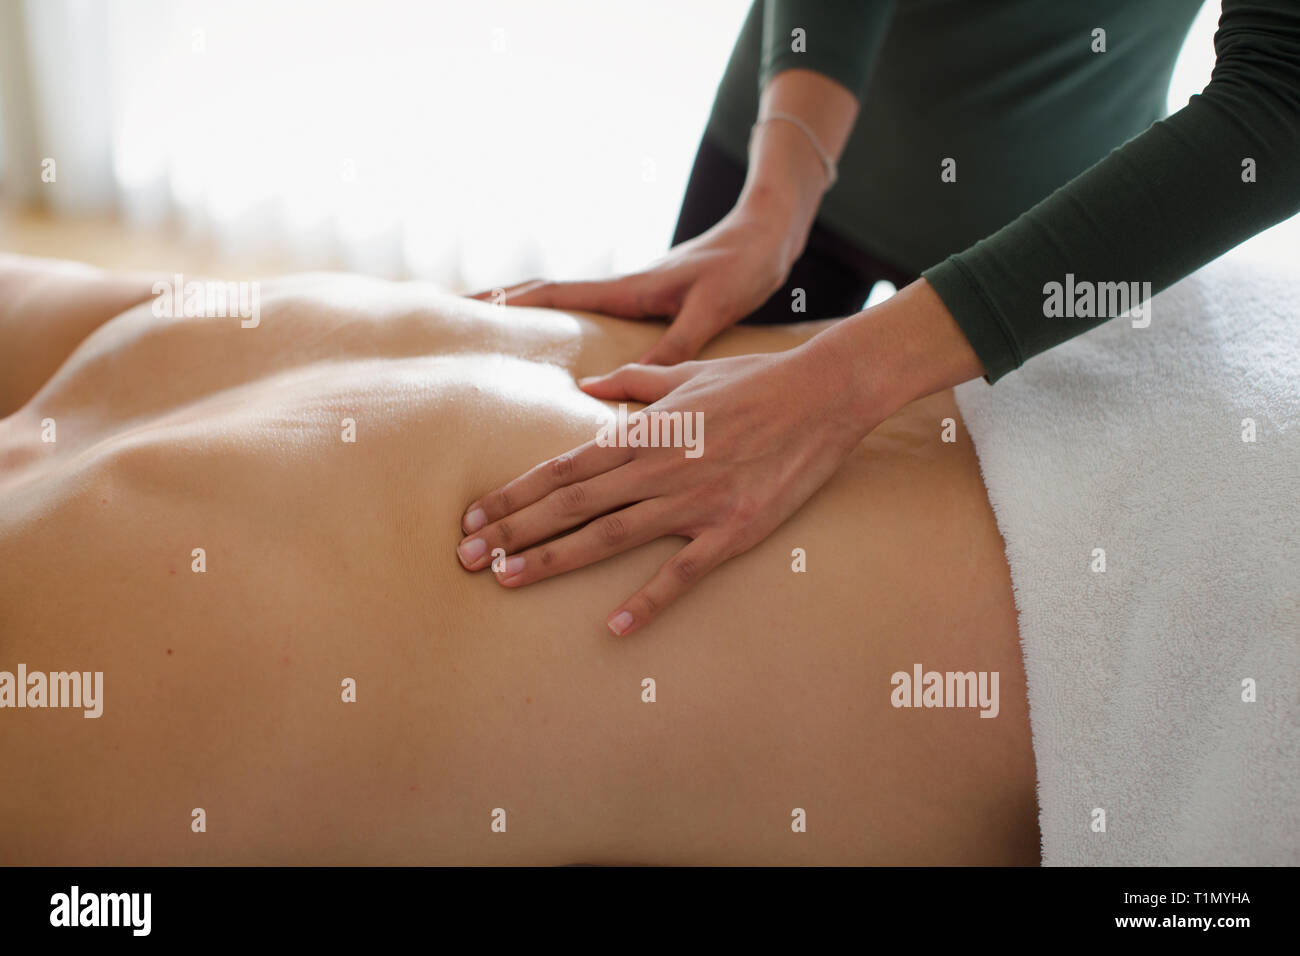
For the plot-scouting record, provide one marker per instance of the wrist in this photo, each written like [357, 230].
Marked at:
[769, 218]
[884, 357]
[781, 212]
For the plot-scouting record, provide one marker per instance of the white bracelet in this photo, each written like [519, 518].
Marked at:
[828, 164]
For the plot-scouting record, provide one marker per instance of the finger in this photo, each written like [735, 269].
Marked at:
[561, 510]
[582, 463]
[637, 383]
[603, 538]
[689, 332]
[673, 579]
[488, 295]
[626, 296]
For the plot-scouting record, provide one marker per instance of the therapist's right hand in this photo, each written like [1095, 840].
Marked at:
[703, 286]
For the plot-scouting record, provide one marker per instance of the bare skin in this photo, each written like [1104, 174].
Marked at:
[327, 560]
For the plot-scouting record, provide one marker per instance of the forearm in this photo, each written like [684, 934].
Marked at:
[786, 178]
[817, 58]
[1159, 207]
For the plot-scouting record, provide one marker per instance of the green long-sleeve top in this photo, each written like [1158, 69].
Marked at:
[1031, 104]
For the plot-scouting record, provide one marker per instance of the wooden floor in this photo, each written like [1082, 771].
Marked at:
[114, 244]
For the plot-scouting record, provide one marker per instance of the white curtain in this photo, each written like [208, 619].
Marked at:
[474, 143]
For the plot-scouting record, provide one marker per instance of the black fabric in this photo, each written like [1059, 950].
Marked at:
[836, 275]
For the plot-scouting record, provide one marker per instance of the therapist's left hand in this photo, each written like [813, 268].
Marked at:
[775, 428]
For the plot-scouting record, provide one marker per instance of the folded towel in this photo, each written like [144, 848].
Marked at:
[1130, 441]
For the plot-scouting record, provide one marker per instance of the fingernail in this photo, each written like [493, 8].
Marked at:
[471, 549]
[474, 520]
[514, 564]
[588, 380]
[620, 622]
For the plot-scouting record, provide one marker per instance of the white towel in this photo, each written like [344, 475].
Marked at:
[1131, 440]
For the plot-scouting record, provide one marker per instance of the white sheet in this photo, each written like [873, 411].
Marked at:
[1130, 440]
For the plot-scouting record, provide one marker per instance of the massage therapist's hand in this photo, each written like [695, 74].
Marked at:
[775, 427]
[707, 284]
[716, 279]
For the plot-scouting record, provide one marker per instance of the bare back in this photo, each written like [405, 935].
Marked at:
[327, 559]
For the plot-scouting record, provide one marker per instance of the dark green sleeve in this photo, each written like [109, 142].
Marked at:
[840, 38]
[1155, 209]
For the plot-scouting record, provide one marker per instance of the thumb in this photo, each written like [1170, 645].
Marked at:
[637, 383]
[695, 324]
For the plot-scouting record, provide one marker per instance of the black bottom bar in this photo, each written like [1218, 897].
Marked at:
[610, 906]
